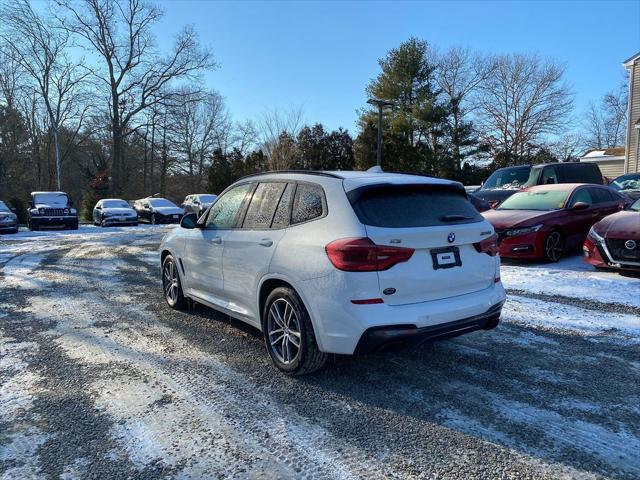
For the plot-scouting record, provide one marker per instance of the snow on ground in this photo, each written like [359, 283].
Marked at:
[572, 277]
[529, 311]
[18, 389]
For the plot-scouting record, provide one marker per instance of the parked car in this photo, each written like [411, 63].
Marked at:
[51, 209]
[614, 242]
[198, 203]
[8, 219]
[114, 211]
[628, 184]
[546, 221]
[504, 182]
[338, 262]
[155, 210]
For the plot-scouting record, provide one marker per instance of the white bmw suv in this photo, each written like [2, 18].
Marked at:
[339, 262]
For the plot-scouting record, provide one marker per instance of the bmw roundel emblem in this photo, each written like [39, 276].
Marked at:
[451, 238]
[630, 244]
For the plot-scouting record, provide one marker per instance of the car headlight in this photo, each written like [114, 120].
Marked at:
[73, 211]
[34, 211]
[67, 211]
[41, 211]
[594, 236]
[514, 232]
[7, 219]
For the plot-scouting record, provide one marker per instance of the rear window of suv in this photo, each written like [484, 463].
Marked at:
[410, 206]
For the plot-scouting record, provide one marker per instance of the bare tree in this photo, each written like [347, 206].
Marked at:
[135, 74]
[568, 147]
[199, 126]
[40, 50]
[524, 99]
[278, 131]
[605, 123]
[460, 75]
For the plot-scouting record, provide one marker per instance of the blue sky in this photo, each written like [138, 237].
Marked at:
[321, 55]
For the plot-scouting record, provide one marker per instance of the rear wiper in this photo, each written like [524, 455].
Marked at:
[453, 218]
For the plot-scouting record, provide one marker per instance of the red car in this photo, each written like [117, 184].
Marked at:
[545, 221]
[614, 242]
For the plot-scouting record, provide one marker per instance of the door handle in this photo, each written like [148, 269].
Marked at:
[266, 242]
[217, 240]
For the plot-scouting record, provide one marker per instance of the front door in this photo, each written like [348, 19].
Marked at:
[205, 246]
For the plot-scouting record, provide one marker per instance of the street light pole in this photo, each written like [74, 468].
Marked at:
[380, 104]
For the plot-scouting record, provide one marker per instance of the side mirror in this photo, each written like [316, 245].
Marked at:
[14, 210]
[580, 206]
[189, 221]
[30, 204]
[98, 207]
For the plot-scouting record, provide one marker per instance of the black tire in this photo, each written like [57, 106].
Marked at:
[553, 246]
[177, 301]
[491, 324]
[32, 227]
[308, 357]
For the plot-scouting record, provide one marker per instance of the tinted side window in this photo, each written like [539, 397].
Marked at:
[549, 176]
[307, 203]
[281, 218]
[263, 205]
[224, 212]
[581, 195]
[600, 195]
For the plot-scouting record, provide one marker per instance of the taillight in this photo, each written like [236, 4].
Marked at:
[362, 255]
[488, 245]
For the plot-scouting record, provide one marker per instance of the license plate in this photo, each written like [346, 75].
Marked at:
[448, 257]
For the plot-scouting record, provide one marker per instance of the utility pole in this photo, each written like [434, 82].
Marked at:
[380, 104]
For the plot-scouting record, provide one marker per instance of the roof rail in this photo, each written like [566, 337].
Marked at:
[303, 172]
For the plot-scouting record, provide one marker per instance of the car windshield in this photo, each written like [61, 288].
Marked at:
[507, 178]
[52, 198]
[535, 200]
[635, 206]
[207, 198]
[115, 204]
[161, 202]
[626, 182]
[3, 207]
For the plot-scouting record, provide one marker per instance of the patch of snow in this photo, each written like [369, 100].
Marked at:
[18, 272]
[555, 315]
[571, 277]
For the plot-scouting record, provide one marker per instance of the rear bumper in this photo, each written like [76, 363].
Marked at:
[377, 339]
[340, 325]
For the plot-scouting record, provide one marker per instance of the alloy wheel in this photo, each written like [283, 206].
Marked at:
[283, 329]
[170, 283]
[553, 246]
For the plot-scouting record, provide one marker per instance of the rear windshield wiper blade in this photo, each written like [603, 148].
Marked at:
[453, 218]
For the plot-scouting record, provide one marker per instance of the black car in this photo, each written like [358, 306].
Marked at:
[8, 219]
[51, 209]
[628, 185]
[504, 182]
[198, 203]
[155, 210]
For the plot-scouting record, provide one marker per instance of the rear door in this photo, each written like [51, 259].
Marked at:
[442, 226]
[249, 249]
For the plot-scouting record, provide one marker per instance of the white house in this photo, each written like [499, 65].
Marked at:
[610, 160]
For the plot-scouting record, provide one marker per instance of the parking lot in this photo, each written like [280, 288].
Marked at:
[101, 379]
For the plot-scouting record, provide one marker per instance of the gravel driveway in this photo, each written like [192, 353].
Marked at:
[100, 379]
